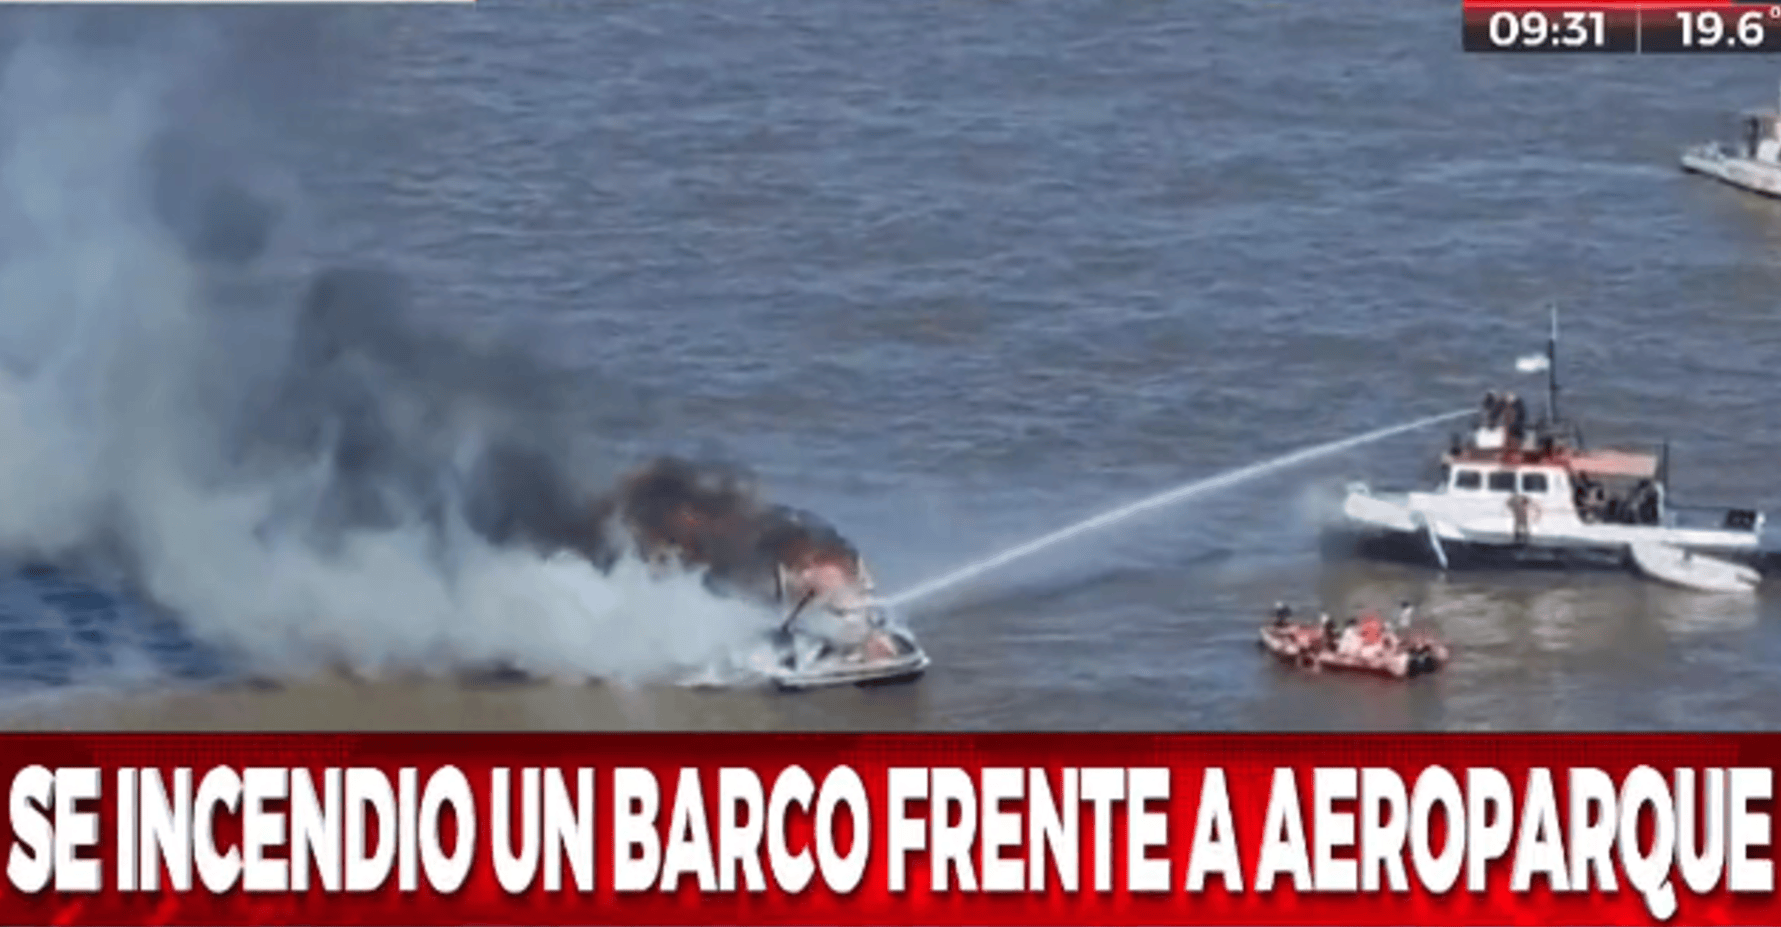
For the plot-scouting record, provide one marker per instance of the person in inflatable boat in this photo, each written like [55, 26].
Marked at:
[1367, 637]
[1406, 614]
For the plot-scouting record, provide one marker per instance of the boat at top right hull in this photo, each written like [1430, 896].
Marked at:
[1751, 163]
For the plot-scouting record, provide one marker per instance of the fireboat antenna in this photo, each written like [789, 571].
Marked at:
[1552, 369]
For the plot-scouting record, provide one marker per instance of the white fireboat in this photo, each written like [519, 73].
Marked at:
[1519, 494]
[1752, 163]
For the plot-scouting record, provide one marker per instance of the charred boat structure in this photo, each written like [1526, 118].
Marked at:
[681, 515]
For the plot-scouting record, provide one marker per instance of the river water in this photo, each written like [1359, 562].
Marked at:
[955, 275]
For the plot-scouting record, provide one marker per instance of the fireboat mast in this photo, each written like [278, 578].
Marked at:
[1554, 427]
[1552, 370]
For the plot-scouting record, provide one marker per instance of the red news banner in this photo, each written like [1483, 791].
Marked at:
[652, 829]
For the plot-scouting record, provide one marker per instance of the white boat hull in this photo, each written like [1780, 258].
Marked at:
[1402, 526]
[802, 662]
[824, 672]
[1745, 173]
[1693, 571]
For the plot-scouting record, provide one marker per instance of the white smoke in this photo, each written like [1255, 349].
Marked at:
[115, 373]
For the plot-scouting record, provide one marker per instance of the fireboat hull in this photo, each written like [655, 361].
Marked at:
[1413, 549]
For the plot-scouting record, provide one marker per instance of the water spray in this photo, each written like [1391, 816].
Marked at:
[1157, 501]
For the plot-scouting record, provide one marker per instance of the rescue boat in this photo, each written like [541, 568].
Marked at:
[1316, 649]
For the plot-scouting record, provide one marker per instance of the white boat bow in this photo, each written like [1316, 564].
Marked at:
[1690, 570]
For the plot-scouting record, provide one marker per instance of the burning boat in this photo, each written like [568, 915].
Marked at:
[684, 516]
[1519, 493]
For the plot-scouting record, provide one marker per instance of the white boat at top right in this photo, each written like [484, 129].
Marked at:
[1751, 163]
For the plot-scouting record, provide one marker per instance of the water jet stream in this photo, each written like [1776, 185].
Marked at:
[1157, 501]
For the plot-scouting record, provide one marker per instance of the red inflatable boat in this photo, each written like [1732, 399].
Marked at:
[1362, 646]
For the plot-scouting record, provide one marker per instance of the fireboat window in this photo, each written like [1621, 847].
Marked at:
[1467, 479]
[1533, 482]
[1502, 481]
